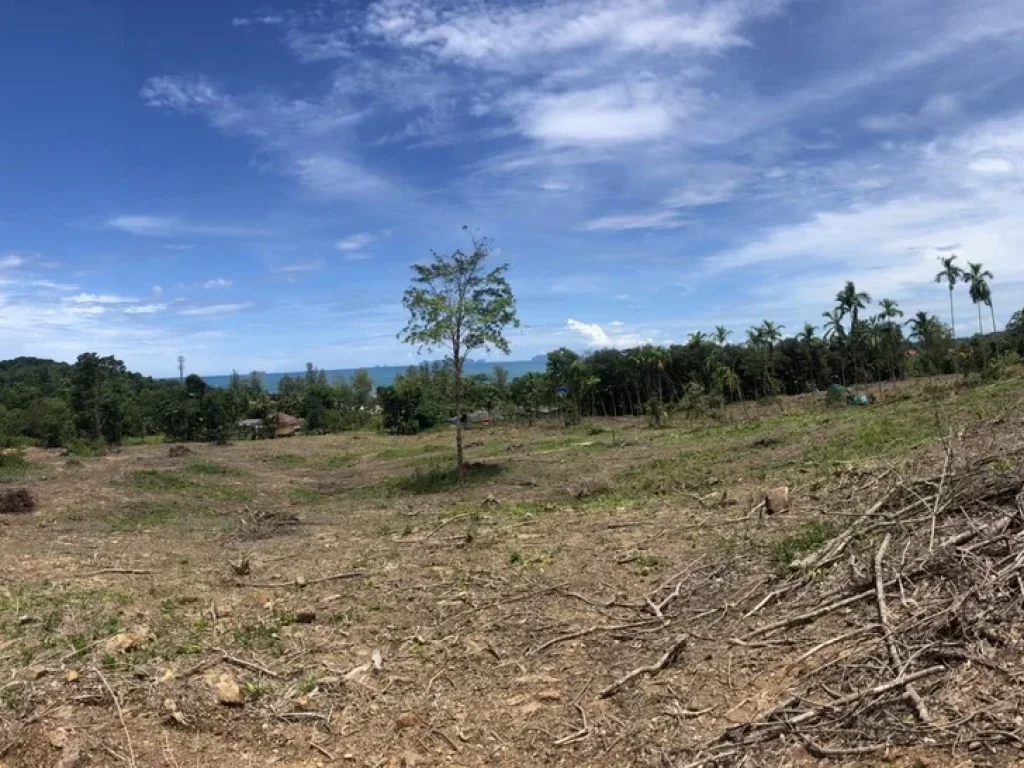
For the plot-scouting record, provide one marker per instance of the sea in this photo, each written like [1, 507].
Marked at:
[384, 375]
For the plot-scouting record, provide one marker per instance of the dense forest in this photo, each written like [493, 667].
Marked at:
[97, 401]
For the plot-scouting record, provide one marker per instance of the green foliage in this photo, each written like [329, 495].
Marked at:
[809, 537]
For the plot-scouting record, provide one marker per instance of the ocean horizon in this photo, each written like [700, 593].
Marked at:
[384, 375]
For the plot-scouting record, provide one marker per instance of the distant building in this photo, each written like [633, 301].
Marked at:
[282, 425]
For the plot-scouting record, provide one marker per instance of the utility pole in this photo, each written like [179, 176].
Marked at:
[181, 369]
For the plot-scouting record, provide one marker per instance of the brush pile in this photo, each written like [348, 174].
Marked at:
[905, 631]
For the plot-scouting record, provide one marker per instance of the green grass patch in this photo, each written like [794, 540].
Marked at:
[341, 460]
[212, 469]
[288, 460]
[13, 466]
[159, 481]
[443, 479]
[143, 514]
[809, 537]
[405, 452]
[147, 440]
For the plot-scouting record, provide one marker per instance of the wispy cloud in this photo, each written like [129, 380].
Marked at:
[300, 267]
[11, 260]
[215, 309]
[145, 309]
[355, 242]
[262, 20]
[217, 282]
[172, 226]
[623, 222]
[99, 298]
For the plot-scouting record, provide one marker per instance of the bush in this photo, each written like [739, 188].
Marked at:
[654, 411]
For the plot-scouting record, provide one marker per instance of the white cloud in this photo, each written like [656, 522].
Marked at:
[179, 247]
[654, 220]
[596, 337]
[157, 291]
[935, 111]
[145, 309]
[11, 260]
[993, 166]
[169, 226]
[608, 115]
[215, 309]
[217, 282]
[355, 242]
[300, 267]
[517, 35]
[264, 20]
[98, 298]
[554, 186]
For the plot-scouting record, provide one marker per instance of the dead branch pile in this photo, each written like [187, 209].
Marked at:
[908, 626]
[17, 501]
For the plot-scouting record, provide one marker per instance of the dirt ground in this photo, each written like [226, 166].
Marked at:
[339, 600]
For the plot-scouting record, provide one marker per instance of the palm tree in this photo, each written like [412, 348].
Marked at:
[807, 335]
[951, 273]
[890, 311]
[697, 338]
[977, 278]
[850, 301]
[721, 335]
[923, 327]
[833, 327]
[771, 333]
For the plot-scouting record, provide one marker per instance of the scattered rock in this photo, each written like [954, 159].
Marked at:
[26, 619]
[71, 757]
[58, 738]
[300, 582]
[411, 760]
[377, 660]
[36, 671]
[406, 720]
[225, 688]
[72, 676]
[124, 642]
[305, 615]
[776, 501]
[222, 611]
[165, 676]
[241, 567]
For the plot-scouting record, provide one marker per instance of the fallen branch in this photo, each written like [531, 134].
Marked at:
[104, 571]
[120, 716]
[804, 618]
[890, 641]
[301, 583]
[584, 632]
[250, 665]
[670, 656]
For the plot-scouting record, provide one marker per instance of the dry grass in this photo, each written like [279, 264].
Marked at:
[498, 610]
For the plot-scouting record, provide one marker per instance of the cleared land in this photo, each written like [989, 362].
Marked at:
[599, 595]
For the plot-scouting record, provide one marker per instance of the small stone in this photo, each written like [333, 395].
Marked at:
[26, 619]
[72, 676]
[58, 738]
[300, 582]
[974, 746]
[348, 756]
[165, 676]
[406, 720]
[127, 641]
[222, 611]
[776, 501]
[305, 615]
[225, 688]
[241, 567]
[549, 695]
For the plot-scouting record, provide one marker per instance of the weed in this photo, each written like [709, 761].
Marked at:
[212, 468]
[156, 481]
[341, 460]
[258, 637]
[808, 538]
[515, 557]
[438, 480]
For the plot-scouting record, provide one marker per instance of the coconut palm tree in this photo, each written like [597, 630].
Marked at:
[771, 333]
[890, 311]
[721, 335]
[923, 327]
[850, 301]
[977, 278]
[697, 338]
[833, 327]
[951, 274]
[807, 335]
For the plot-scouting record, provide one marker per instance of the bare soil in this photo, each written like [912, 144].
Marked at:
[339, 600]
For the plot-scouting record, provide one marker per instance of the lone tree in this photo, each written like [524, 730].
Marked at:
[456, 305]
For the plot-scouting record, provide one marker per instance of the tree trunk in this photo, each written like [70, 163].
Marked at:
[952, 313]
[981, 328]
[992, 310]
[459, 457]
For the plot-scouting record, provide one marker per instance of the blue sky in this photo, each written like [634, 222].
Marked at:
[247, 184]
